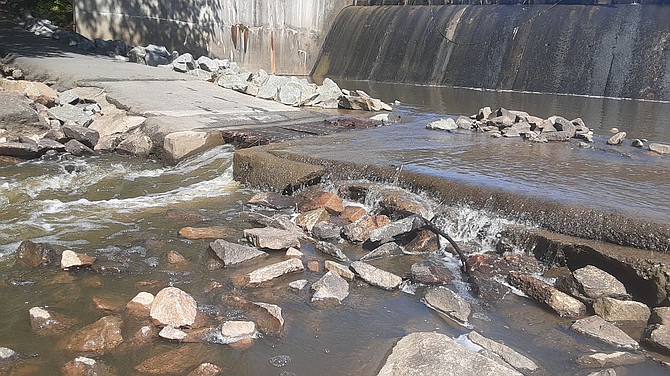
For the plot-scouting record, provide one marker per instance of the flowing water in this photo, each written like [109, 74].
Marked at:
[127, 213]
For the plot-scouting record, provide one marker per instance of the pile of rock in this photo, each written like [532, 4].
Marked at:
[38, 121]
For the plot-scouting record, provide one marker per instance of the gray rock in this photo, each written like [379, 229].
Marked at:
[330, 286]
[658, 336]
[447, 124]
[660, 315]
[32, 254]
[556, 136]
[384, 250]
[86, 136]
[615, 359]
[327, 231]
[340, 269]
[562, 303]
[272, 238]
[434, 354]
[137, 55]
[299, 284]
[156, 55]
[509, 355]
[138, 144]
[484, 113]
[273, 271]
[365, 103]
[563, 124]
[596, 283]
[174, 307]
[201, 74]
[637, 143]
[169, 332]
[604, 372]
[327, 95]
[660, 148]
[184, 63]
[449, 303]
[617, 139]
[233, 254]
[76, 148]
[237, 82]
[331, 250]
[612, 309]
[501, 121]
[273, 200]
[207, 64]
[7, 353]
[68, 112]
[19, 150]
[386, 233]
[596, 327]
[464, 122]
[290, 95]
[430, 273]
[222, 63]
[375, 276]
[68, 97]
[271, 87]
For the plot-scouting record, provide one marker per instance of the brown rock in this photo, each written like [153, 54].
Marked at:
[234, 331]
[313, 266]
[212, 232]
[430, 273]
[660, 315]
[174, 257]
[70, 259]
[353, 213]
[184, 216]
[400, 200]
[327, 200]
[309, 219]
[425, 242]
[560, 302]
[108, 303]
[359, 231]
[140, 305]
[35, 254]
[100, 337]
[177, 361]
[612, 309]
[206, 369]
[83, 366]
[658, 336]
[43, 321]
[174, 307]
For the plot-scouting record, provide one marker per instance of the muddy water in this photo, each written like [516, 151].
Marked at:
[127, 213]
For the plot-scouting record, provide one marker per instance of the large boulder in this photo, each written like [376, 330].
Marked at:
[174, 307]
[100, 337]
[612, 309]
[327, 95]
[35, 91]
[35, 254]
[596, 327]
[509, 355]
[16, 110]
[86, 136]
[179, 145]
[183, 63]
[68, 113]
[434, 354]
[560, 302]
[384, 250]
[595, 283]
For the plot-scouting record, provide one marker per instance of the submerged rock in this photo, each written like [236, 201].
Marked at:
[449, 303]
[434, 354]
[375, 276]
[615, 359]
[384, 250]
[506, 353]
[425, 241]
[597, 327]
[212, 232]
[331, 250]
[100, 337]
[233, 254]
[41, 320]
[330, 286]
[177, 361]
[174, 307]
[273, 200]
[83, 366]
[430, 273]
[35, 254]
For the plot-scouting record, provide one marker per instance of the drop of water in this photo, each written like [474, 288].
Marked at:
[280, 360]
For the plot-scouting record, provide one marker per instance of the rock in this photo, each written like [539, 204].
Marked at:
[68, 97]
[76, 148]
[448, 124]
[556, 136]
[365, 103]
[605, 372]
[659, 148]
[359, 231]
[137, 144]
[658, 336]
[326, 200]
[387, 232]
[375, 276]
[309, 219]
[561, 303]
[660, 315]
[294, 253]
[327, 231]
[273, 200]
[16, 110]
[299, 284]
[83, 366]
[384, 250]
[464, 122]
[140, 305]
[425, 242]
[43, 321]
[156, 55]
[108, 303]
[206, 369]
[290, 95]
[352, 213]
[179, 145]
[175, 258]
[617, 139]
[233, 254]
[330, 286]
[340, 269]
[177, 361]
[429, 273]
[509, 355]
[615, 359]
[596, 283]
[563, 125]
[449, 303]
[69, 113]
[183, 63]
[596, 327]
[235, 331]
[327, 95]
[70, 259]
[35, 254]
[331, 250]
[212, 232]
[612, 309]
[270, 272]
[100, 337]
[484, 113]
[272, 238]
[171, 333]
[434, 354]
[35, 91]
[270, 88]
[637, 143]
[275, 312]
[174, 307]
[402, 201]
[207, 64]
[313, 266]
[46, 144]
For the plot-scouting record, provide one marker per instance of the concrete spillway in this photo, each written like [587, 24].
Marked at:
[613, 51]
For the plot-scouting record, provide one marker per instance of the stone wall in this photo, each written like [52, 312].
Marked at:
[614, 51]
[281, 36]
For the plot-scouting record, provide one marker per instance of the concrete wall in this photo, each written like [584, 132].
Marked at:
[283, 36]
[615, 51]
